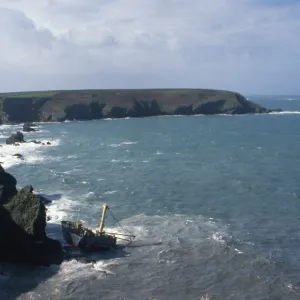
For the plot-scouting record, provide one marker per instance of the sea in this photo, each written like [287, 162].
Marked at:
[214, 203]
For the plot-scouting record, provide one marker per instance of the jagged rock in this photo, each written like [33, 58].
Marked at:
[15, 138]
[22, 231]
[48, 143]
[28, 211]
[7, 186]
[27, 127]
[18, 246]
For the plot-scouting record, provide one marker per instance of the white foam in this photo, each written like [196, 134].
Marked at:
[115, 160]
[100, 266]
[60, 209]
[32, 153]
[110, 192]
[75, 270]
[122, 161]
[286, 112]
[123, 143]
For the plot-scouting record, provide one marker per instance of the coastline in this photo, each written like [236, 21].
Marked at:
[82, 105]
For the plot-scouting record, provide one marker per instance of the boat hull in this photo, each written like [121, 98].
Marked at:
[92, 242]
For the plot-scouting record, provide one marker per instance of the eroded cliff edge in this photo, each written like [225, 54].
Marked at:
[52, 106]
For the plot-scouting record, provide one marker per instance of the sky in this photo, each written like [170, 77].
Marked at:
[249, 46]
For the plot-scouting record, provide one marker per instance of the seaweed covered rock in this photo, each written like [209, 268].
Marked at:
[23, 237]
[7, 186]
[15, 138]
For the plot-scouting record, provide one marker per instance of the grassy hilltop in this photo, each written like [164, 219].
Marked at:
[96, 104]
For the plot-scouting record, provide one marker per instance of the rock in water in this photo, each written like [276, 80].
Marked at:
[27, 127]
[22, 231]
[18, 155]
[7, 186]
[17, 246]
[15, 138]
[35, 142]
[28, 211]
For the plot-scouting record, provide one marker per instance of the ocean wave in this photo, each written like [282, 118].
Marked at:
[109, 192]
[31, 153]
[286, 112]
[60, 209]
[122, 143]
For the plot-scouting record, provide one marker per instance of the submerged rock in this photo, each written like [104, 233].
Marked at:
[15, 138]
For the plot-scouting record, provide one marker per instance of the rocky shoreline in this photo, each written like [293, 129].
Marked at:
[22, 226]
[59, 106]
[23, 221]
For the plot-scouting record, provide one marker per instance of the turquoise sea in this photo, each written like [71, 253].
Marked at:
[214, 202]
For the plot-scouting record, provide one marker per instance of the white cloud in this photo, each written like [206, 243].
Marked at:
[240, 45]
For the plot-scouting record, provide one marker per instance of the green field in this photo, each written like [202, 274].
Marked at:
[97, 92]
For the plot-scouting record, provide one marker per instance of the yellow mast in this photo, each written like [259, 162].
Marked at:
[104, 208]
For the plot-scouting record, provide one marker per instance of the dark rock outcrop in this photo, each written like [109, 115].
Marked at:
[15, 138]
[27, 127]
[99, 104]
[7, 186]
[27, 210]
[22, 226]
[18, 246]
[35, 142]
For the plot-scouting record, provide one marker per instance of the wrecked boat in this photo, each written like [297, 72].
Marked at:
[78, 236]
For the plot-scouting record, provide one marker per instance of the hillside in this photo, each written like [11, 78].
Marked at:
[97, 104]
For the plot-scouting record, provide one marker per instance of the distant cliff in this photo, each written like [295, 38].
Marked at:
[97, 104]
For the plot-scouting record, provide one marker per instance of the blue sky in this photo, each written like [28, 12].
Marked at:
[250, 46]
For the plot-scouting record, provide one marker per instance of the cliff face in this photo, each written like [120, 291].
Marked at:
[22, 226]
[97, 104]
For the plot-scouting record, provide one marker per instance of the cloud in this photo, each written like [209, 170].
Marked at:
[243, 45]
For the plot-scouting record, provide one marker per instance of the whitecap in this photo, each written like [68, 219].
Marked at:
[60, 209]
[31, 152]
[110, 192]
[122, 143]
[286, 112]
